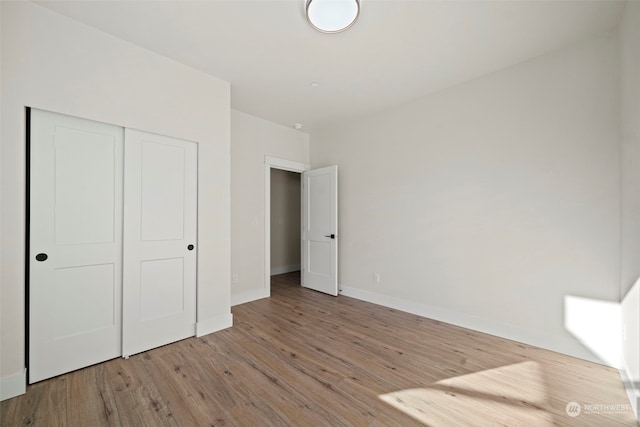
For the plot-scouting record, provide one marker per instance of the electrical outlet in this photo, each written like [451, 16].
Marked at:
[234, 278]
[376, 277]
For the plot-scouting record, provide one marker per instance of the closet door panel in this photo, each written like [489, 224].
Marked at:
[75, 243]
[159, 240]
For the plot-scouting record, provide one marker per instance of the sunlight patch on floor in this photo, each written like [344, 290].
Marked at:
[510, 395]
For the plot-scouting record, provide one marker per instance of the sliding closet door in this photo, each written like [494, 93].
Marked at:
[160, 217]
[75, 244]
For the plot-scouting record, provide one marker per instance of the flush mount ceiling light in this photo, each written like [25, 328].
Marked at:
[332, 16]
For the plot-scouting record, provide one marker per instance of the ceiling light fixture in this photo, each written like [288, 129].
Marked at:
[297, 126]
[332, 16]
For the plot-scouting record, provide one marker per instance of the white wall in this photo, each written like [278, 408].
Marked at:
[252, 139]
[487, 203]
[54, 63]
[285, 221]
[630, 137]
[630, 133]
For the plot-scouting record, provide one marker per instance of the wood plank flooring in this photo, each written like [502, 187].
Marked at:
[301, 358]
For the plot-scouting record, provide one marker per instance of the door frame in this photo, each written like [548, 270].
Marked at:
[286, 165]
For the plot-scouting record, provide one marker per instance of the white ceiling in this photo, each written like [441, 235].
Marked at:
[396, 52]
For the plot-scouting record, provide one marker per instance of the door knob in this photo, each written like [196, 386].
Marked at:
[190, 247]
[332, 236]
[41, 257]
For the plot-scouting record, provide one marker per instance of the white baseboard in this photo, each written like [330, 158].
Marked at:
[13, 385]
[633, 393]
[214, 324]
[252, 295]
[285, 269]
[491, 327]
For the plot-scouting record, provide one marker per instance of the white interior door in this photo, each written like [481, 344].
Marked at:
[75, 243]
[160, 216]
[320, 230]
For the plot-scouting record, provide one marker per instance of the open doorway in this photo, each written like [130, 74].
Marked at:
[285, 221]
[319, 225]
[283, 179]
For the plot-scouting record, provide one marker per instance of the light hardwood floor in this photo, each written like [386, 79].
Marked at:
[301, 358]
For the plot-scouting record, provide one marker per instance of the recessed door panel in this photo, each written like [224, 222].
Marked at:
[84, 186]
[163, 180]
[79, 297]
[320, 258]
[319, 210]
[161, 288]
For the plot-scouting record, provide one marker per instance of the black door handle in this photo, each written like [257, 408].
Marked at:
[190, 247]
[42, 257]
[333, 236]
